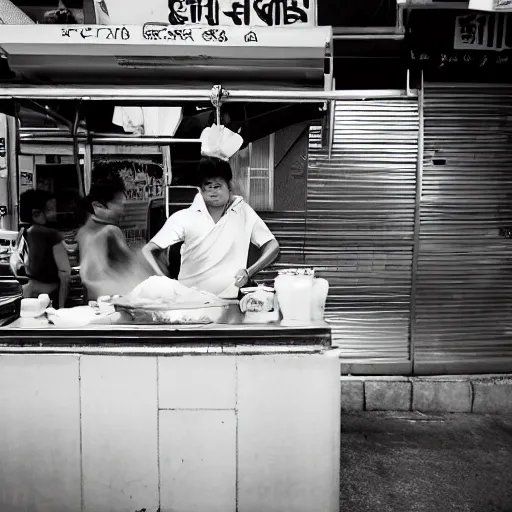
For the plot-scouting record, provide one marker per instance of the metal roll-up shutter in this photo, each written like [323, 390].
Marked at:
[464, 288]
[359, 224]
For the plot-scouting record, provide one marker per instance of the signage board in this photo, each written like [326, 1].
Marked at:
[146, 38]
[491, 5]
[238, 13]
[3, 149]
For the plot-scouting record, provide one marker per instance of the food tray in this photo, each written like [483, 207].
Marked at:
[205, 315]
[178, 313]
[162, 306]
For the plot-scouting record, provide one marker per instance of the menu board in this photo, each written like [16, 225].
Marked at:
[249, 13]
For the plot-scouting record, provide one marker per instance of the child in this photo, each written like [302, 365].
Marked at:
[107, 265]
[48, 268]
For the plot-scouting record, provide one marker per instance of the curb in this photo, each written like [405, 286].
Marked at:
[479, 394]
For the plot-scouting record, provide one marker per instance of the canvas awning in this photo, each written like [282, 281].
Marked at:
[153, 54]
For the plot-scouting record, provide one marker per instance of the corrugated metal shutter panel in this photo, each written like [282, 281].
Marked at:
[360, 219]
[289, 229]
[465, 267]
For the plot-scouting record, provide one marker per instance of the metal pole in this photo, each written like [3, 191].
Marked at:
[160, 96]
[340, 31]
[417, 227]
[4, 175]
[369, 37]
[167, 161]
[332, 126]
[12, 166]
[452, 6]
[138, 141]
[482, 86]
[44, 132]
[87, 168]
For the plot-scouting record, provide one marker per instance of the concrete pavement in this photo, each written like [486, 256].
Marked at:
[413, 462]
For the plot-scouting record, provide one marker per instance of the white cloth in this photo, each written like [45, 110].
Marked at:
[212, 253]
[220, 142]
[101, 13]
[150, 121]
[130, 118]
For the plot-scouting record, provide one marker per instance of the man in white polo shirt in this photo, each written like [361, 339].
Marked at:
[216, 231]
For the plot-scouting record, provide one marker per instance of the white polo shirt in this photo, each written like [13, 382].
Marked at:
[212, 253]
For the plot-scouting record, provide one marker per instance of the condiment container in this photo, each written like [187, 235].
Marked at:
[32, 308]
[319, 298]
[294, 290]
[259, 305]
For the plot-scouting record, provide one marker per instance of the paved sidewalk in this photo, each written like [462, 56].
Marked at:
[411, 462]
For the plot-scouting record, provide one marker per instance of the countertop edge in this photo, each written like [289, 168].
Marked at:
[153, 337]
[144, 351]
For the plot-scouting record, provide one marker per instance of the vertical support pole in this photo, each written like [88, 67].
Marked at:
[332, 122]
[4, 175]
[399, 25]
[417, 227]
[12, 166]
[167, 162]
[87, 166]
[271, 170]
[76, 154]
[249, 174]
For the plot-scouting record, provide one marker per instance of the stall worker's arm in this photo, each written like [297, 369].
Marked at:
[262, 238]
[62, 261]
[172, 233]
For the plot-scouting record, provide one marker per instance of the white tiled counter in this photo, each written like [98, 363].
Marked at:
[213, 426]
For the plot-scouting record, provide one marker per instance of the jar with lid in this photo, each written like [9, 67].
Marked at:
[294, 289]
[319, 294]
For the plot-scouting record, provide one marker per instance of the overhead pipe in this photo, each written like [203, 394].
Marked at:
[439, 5]
[369, 37]
[138, 141]
[400, 27]
[365, 30]
[44, 132]
[162, 95]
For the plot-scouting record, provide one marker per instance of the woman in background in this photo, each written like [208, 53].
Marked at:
[107, 265]
[47, 268]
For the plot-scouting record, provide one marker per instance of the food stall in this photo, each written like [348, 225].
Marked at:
[126, 408]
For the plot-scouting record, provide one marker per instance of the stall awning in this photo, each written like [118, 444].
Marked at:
[160, 54]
